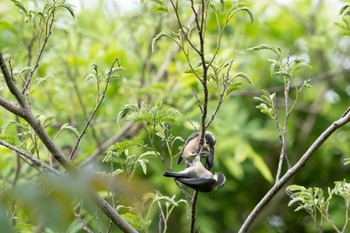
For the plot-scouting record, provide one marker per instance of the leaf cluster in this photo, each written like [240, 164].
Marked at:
[317, 203]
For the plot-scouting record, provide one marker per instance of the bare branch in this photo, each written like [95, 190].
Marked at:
[283, 134]
[82, 223]
[344, 119]
[11, 108]
[198, 100]
[35, 162]
[113, 215]
[96, 108]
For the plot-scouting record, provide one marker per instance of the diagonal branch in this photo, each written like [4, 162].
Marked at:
[344, 119]
[96, 108]
[11, 108]
[30, 75]
[35, 162]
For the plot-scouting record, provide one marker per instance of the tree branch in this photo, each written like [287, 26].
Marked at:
[96, 108]
[344, 119]
[11, 108]
[30, 75]
[35, 162]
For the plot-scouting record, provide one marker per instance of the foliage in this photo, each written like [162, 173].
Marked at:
[66, 49]
[317, 204]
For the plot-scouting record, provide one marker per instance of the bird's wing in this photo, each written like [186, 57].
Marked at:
[192, 136]
[210, 159]
[199, 184]
[183, 174]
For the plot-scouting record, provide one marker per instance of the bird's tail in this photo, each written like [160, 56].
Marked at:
[173, 174]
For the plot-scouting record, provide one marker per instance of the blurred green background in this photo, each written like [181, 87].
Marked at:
[247, 140]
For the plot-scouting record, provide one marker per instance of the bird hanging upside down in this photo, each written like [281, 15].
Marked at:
[198, 177]
[191, 149]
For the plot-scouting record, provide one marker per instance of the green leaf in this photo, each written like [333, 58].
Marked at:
[70, 128]
[235, 86]
[20, 5]
[272, 48]
[243, 75]
[6, 125]
[143, 162]
[222, 3]
[251, 16]
[134, 220]
[68, 7]
[284, 74]
[126, 110]
[343, 9]
[161, 8]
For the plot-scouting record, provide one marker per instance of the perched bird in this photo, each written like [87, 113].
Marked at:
[198, 178]
[191, 147]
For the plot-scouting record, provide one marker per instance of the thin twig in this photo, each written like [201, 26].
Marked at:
[181, 27]
[283, 134]
[82, 223]
[80, 99]
[198, 100]
[344, 119]
[96, 108]
[30, 75]
[200, 23]
[221, 97]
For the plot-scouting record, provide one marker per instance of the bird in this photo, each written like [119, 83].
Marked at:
[191, 149]
[198, 177]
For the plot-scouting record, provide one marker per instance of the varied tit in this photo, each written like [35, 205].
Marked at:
[191, 147]
[198, 178]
